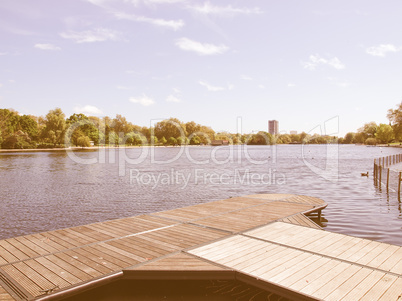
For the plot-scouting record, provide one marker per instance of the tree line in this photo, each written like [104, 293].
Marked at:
[56, 130]
[372, 133]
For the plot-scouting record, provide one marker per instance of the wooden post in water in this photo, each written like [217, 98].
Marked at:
[399, 186]
[379, 178]
[375, 172]
[387, 179]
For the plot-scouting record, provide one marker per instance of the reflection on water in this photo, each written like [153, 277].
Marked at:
[44, 191]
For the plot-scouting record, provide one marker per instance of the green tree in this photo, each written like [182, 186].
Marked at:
[172, 141]
[28, 125]
[163, 140]
[195, 140]
[261, 138]
[370, 141]
[192, 127]
[349, 138]
[81, 125]
[55, 126]
[84, 141]
[121, 125]
[395, 119]
[171, 127]
[385, 133]
[19, 140]
[368, 130]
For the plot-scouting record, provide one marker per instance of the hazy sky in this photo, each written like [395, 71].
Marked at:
[299, 62]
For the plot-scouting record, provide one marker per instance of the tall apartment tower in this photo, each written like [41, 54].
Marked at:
[273, 127]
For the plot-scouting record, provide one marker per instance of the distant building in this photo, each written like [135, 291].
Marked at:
[293, 132]
[219, 142]
[273, 127]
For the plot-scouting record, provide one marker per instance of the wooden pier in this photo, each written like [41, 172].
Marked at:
[263, 240]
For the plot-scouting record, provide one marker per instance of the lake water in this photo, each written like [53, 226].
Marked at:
[43, 191]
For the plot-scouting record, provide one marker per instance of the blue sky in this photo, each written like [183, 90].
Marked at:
[299, 62]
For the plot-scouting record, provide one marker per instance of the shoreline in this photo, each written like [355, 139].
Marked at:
[95, 148]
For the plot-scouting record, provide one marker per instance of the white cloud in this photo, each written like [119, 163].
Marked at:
[3, 53]
[142, 100]
[246, 77]
[123, 88]
[382, 49]
[1, 85]
[163, 1]
[230, 86]
[176, 90]
[172, 98]
[315, 60]
[210, 87]
[261, 86]
[200, 48]
[88, 109]
[172, 24]
[47, 47]
[89, 36]
[291, 85]
[210, 9]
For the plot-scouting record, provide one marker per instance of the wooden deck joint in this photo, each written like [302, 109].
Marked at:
[13, 288]
[321, 255]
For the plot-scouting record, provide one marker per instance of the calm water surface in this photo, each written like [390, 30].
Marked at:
[47, 190]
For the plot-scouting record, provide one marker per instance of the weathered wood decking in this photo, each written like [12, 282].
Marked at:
[265, 240]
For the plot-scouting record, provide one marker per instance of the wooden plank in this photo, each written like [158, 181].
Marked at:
[325, 278]
[205, 249]
[394, 292]
[88, 262]
[105, 256]
[179, 262]
[98, 259]
[48, 274]
[295, 268]
[23, 248]
[78, 273]
[336, 282]
[78, 265]
[33, 275]
[345, 288]
[58, 270]
[32, 245]
[7, 256]
[315, 274]
[4, 295]
[302, 274]
[284, 265]
[13, 250]
[383, 256]
[379, 288]
[251, 251]
[391, 263]
[29, 285]
[226, 253]
[259, 267]
[260, 254]
[46, 242]
[354, 249]
[119, 255]
[358, 292]
[274, 263]
[373, 254]
[121, 252]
